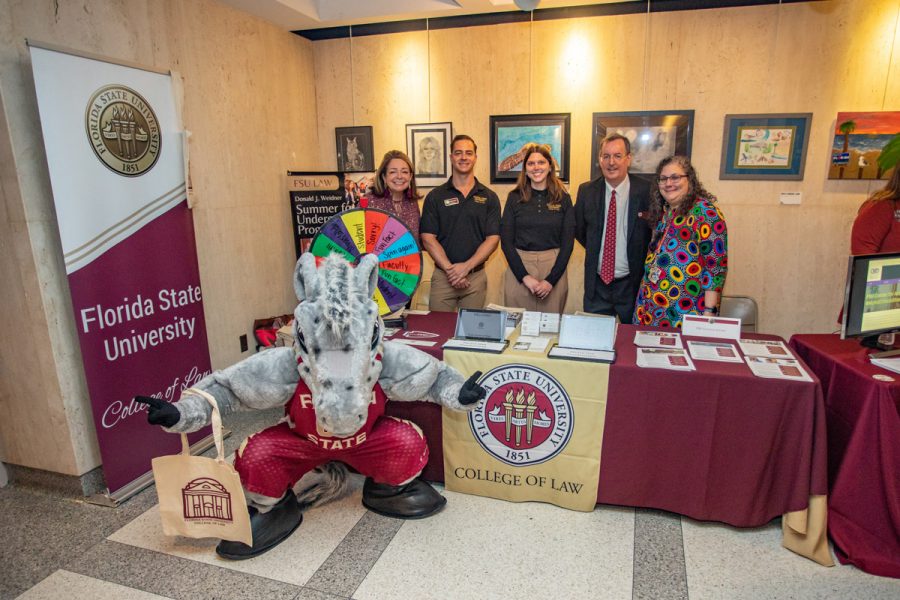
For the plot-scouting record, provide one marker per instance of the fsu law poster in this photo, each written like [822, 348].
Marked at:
[114, 150]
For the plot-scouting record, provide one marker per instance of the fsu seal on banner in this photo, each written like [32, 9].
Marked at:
[526, 418]
[537, 434]
[123, 130]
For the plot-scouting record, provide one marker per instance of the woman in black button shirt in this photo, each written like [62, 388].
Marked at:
[537, 232]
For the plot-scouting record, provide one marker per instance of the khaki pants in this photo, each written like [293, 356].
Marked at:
[538, 264]
[444, 297]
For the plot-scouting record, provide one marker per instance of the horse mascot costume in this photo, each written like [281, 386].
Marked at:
[333, 385]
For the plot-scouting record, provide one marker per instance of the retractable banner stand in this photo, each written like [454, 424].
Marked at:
[115, 153]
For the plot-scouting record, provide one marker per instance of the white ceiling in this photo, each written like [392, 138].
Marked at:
[294, 15]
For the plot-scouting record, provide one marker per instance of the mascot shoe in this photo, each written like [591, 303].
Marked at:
[413, 500]
[269, 529]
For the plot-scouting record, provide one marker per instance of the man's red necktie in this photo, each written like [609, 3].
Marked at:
[608, 262]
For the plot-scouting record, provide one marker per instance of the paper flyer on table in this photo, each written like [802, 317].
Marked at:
[718, 351]
[769, 348]
[777, 368]
[657, 339]
[531, 344]
[664, 358]
[891, 364]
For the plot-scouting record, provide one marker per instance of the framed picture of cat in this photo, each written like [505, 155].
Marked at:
[354, 150]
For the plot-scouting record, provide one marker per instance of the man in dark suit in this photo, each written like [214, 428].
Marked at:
[613, 256]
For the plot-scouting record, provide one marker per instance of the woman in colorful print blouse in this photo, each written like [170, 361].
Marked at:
[688, 256]
[394, 190]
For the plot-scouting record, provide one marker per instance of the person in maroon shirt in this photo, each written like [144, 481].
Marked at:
[394, 190]
[876, 229]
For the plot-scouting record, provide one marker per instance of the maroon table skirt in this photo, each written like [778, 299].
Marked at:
[863, 419]
[716, 444]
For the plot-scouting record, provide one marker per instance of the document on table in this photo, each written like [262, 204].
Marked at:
[604, 356]
[657, 339]
[719, 351]
[891, 364]
[414, 342]
[531, 343]
[665, 358]
[475, 345]
[769, 348]
[777, 368]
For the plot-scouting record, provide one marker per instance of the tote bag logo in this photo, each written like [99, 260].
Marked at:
[205, 498]
[525, 418]
[123, 130]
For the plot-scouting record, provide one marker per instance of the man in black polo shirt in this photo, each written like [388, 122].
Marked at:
[460, 229]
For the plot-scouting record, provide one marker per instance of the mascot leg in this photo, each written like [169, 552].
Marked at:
[271, 520]
[415, 499]
[392, 457]
[269, 463]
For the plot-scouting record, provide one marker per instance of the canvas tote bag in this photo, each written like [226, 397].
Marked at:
[202, 497]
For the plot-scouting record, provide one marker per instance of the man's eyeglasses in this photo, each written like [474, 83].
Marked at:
[673, 178]
[609, 157]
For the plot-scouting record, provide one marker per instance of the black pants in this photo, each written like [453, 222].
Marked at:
[615, 299]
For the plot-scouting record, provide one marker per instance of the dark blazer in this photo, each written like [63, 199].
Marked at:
[590, 220]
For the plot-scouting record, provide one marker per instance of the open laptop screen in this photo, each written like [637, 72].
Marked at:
[472, 324]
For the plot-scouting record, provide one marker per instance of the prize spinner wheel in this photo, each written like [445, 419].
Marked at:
[359, 231]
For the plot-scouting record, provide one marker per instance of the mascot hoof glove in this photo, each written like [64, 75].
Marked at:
[269, 529]
[414, 500]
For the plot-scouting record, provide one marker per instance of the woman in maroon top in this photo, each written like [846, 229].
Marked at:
[394, 190]
[877, 226]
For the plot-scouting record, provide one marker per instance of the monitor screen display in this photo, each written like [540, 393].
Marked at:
[872, 297]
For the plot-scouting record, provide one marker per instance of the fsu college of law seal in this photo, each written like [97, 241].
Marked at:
[525, 418]
[123, 130]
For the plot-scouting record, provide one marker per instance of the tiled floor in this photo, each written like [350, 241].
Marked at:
[476, 548]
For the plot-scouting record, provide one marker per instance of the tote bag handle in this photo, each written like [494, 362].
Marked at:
[216, 425]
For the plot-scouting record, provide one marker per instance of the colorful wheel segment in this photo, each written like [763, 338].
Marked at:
[359, 231]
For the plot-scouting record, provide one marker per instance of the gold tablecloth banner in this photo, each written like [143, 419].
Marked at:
[569, 478]
[806, 531]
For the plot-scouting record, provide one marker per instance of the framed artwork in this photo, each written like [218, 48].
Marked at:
[862, 143]
[654, 135]
[354, 149]
[511, 133]
[428, 146]
[765, 146]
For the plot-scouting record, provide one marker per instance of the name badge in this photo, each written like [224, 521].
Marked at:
[451, 201]
[554, 207]
[479, 199]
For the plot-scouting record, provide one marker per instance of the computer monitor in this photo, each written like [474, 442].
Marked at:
[872, 297]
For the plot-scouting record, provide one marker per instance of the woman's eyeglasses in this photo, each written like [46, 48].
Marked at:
[673, 178]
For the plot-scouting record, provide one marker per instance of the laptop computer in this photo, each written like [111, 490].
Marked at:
[479, 330]
[582, 337]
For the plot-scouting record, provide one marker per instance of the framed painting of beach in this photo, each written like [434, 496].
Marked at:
[654, 135]
[511, 133]
[862, 142]
[770, 146]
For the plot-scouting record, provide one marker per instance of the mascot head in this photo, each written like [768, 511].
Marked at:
[337, 335]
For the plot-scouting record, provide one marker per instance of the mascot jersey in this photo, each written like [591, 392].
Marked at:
[387, 449]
